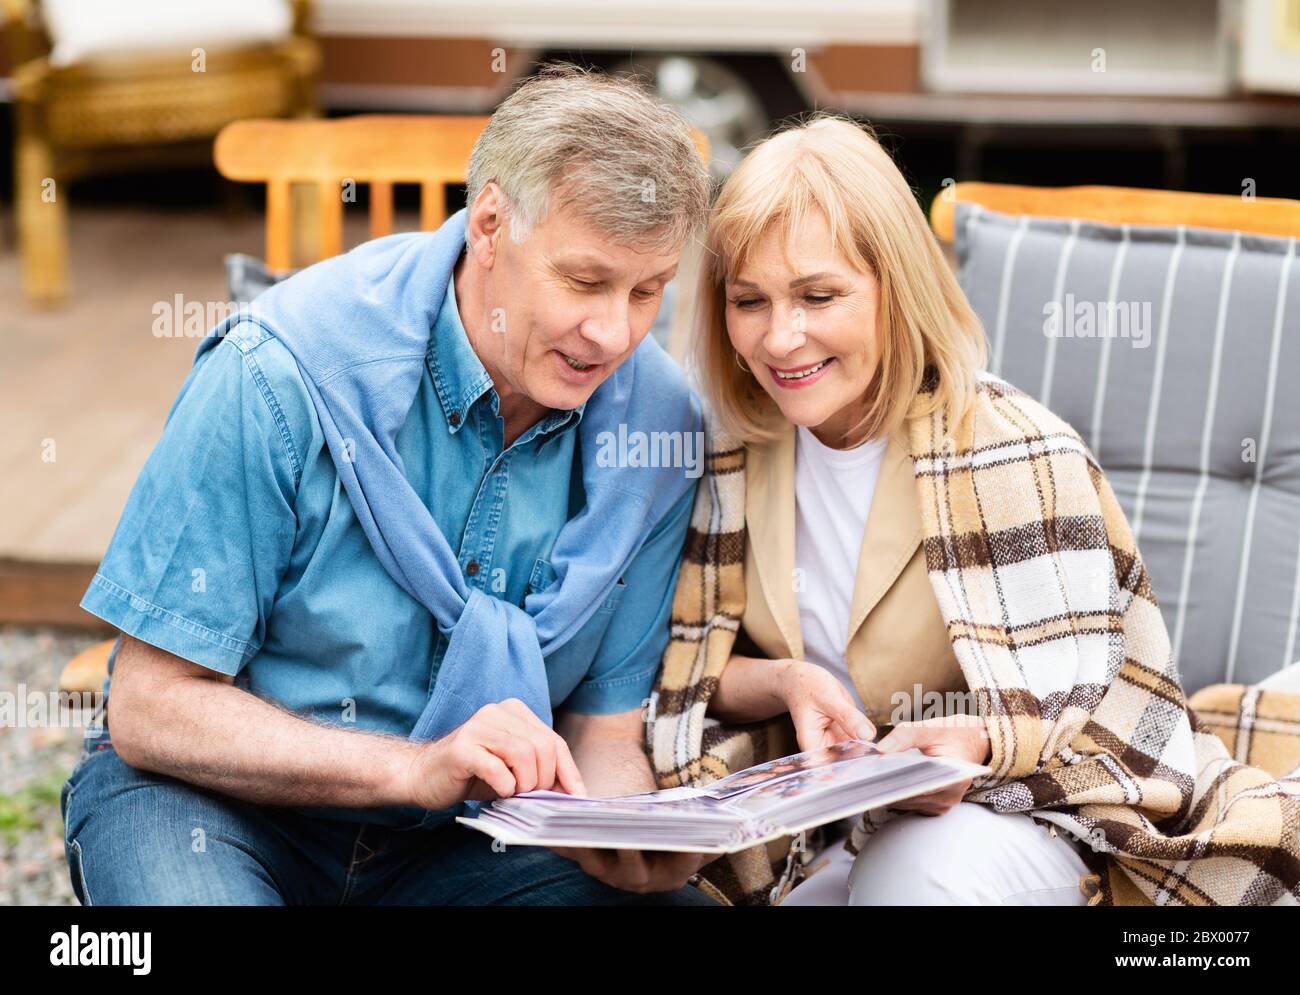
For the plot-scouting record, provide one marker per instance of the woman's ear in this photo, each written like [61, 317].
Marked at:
[486, 221]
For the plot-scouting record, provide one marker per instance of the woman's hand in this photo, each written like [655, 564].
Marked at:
[823, 711]
[963, 736]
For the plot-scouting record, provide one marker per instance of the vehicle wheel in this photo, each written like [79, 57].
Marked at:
[714, 99]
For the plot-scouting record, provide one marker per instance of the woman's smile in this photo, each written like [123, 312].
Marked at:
[800, 377]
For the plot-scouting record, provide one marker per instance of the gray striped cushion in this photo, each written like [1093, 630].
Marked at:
[1196, 375]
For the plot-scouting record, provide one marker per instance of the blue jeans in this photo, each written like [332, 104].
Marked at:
[133, 837]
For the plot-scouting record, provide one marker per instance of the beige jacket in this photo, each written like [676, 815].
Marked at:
[897, 636]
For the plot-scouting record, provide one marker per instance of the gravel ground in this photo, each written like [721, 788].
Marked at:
[34, 762]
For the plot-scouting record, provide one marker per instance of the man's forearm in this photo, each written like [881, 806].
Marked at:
[218, 736]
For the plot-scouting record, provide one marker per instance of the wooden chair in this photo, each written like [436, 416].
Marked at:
[1120, 205]
[109, 114]
[376, 149]
[86, 671]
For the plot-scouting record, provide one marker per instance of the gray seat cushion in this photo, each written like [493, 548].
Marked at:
[1189, 396]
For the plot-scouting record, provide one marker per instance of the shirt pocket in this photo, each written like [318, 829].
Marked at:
[615, 596]
[542, 577]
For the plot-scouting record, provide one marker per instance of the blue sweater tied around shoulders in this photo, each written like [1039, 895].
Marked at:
[358, 326]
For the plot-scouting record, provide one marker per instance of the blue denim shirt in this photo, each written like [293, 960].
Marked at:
[239, 550]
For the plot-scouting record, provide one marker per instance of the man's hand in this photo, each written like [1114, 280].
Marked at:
[503, 749]
[640, 871]
[823, 711]
[963, 736]
[610, 748]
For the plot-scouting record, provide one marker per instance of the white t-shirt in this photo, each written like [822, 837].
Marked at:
[833, 490]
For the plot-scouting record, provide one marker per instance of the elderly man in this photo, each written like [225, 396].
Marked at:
[373, 573]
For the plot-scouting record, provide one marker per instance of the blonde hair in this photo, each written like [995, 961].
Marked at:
[835, 166]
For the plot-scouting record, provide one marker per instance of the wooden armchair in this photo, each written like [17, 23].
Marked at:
[105, 115]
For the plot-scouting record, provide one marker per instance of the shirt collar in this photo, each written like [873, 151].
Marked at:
[460, 378]
[458, 374]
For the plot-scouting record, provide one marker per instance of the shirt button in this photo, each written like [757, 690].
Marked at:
[471, 567]
[454, 418]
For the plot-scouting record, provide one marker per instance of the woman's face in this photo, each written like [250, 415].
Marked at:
[807, 328]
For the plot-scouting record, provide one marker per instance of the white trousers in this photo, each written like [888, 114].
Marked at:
[970, 855]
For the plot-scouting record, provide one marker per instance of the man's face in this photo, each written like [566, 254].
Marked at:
[562, 310]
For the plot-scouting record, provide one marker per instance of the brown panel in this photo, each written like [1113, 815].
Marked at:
[46, 594]
[869, 68]
[416, 62]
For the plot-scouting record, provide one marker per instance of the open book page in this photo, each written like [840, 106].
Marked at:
[751, 806]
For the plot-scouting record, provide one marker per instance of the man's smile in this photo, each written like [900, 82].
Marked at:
[575, 370]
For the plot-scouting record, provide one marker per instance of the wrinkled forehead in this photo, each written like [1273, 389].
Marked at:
[581, 243]
[620, 230]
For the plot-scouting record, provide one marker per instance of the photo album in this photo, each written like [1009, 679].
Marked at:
[774, 799]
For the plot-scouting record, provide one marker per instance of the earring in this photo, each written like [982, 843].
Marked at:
[740, 362]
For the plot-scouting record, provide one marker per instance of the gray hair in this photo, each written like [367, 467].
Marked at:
[626, 162]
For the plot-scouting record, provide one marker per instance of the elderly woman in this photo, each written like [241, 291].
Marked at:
[916, 531]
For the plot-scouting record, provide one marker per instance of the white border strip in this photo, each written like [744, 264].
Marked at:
[1275, 349]
[1211, 402]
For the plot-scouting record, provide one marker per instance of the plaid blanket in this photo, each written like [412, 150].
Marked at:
[1056, 628]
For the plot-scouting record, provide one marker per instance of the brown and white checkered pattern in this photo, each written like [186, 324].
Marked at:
[1054, 622]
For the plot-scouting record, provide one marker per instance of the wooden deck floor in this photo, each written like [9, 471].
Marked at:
[85, 388]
